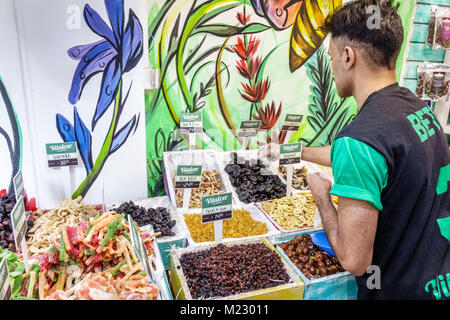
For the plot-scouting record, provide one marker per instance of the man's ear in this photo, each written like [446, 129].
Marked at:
[349, 57]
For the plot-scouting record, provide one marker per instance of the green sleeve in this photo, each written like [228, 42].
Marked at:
[360, 172]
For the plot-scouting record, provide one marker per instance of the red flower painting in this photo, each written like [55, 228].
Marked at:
[269, 116]
[243, 18]
[246, 51]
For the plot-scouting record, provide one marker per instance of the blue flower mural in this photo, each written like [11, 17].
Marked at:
[117, 53]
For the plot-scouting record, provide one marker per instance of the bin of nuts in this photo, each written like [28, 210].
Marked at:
[238, 270]
[323, 275]
[298, 177]
[212, 181]
[211, 184]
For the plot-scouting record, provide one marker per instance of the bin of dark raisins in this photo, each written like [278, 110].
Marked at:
[7, 203]
[253, 181]
[309, 258]
[237, 270]
[324, 277]
[159, 217]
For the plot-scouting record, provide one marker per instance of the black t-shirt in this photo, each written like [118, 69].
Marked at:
[411, 248]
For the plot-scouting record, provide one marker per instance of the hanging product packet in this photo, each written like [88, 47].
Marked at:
[432, 26]
[442, 30]
[433, 81]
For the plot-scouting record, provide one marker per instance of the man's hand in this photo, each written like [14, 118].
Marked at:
[320, 187]
[271, 150]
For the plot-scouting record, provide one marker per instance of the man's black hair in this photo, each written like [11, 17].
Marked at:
[355, 22]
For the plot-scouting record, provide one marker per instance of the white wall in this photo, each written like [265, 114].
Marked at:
[11, 73]
[48, 72]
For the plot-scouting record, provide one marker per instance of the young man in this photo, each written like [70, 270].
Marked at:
[391, 167]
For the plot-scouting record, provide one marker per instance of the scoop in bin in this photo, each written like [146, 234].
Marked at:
[320, 240]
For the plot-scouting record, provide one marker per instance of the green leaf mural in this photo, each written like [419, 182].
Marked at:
[230, 61]
[327, 113]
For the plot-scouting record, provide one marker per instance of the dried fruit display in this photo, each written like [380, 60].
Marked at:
[241, 225]
[292, 212]
[298, 177]
[222, 270]
[309, 258]
[159, 217]
[102, 245]
[104, 286]
[211, 184]
[7, 203]
[49, 224]
[252, 181]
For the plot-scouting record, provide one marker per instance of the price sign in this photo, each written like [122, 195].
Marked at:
[217, 207]
[19, 187]
[139, 248]
[290, 153]
[188, 177]
[292, 122]
[19, 222]
[62, 154]
[5, 285]
[191, 123]
[249, 128]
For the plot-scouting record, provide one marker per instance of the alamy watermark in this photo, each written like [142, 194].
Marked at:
[374, 20]
[374, 280]
[73, 21]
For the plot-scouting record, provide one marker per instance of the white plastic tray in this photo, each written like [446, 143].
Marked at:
[317, 220]
[311, 167]
[224, 158]
[255, 214]
[294, 278]
[206, 158]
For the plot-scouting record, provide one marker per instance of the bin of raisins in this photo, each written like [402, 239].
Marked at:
[247, 223]
[159, 213]
[238, 270]
[324, 277]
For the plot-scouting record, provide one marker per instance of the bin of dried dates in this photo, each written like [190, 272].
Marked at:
[310, 259]
[252, 180]
[7, 203]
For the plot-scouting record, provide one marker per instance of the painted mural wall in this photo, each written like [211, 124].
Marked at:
[74, 72]
[15, 149]
[235, 60]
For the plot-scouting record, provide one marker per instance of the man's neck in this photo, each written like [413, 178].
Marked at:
[370, 82]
